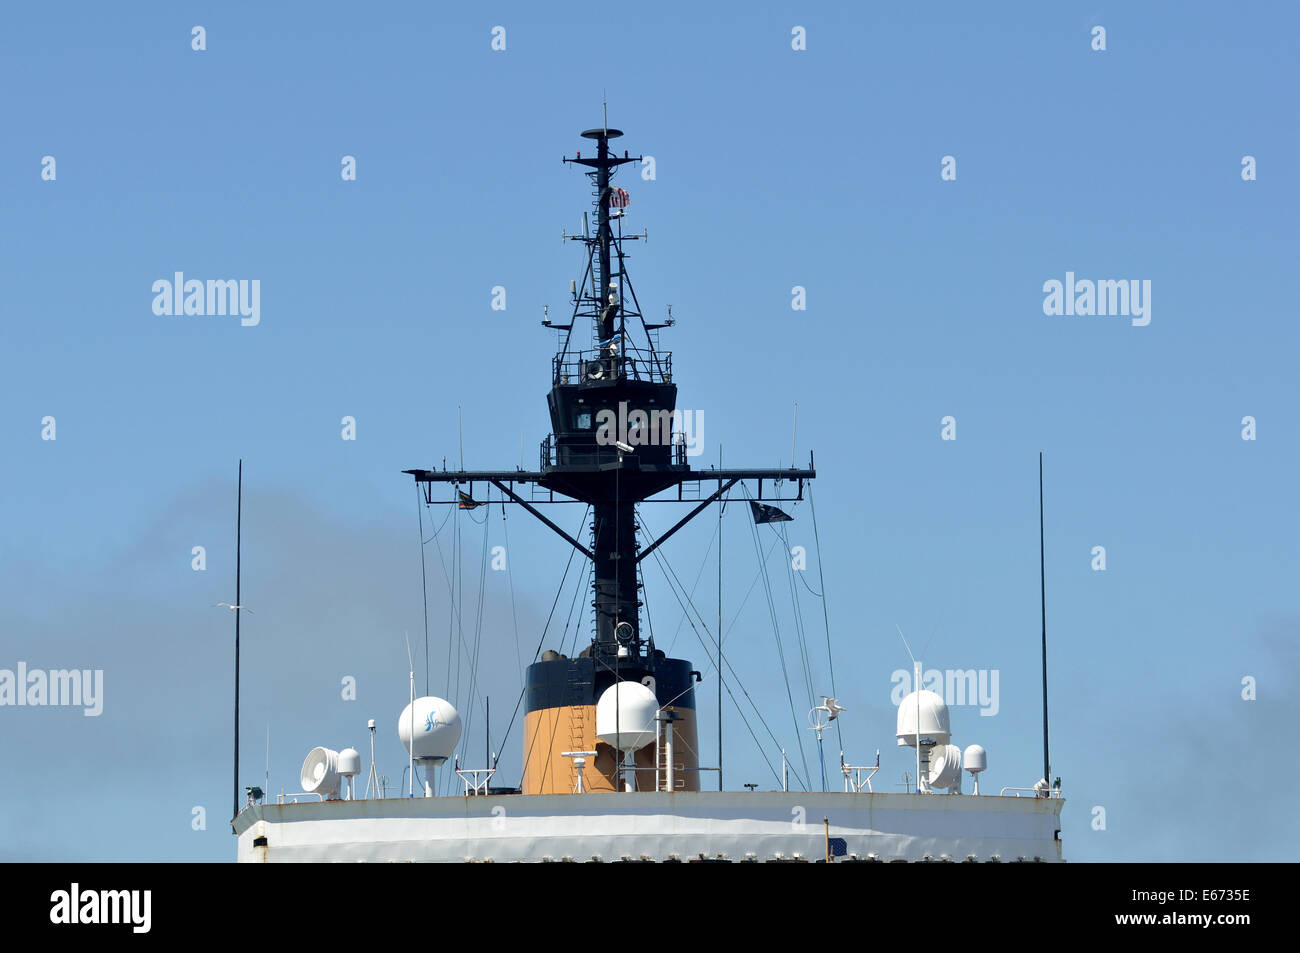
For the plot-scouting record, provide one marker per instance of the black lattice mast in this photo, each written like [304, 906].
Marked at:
[605, 296]
[583, 461]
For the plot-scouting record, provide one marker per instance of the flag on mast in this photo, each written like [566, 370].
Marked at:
[768, 514]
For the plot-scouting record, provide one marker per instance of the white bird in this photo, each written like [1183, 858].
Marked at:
[227, 605]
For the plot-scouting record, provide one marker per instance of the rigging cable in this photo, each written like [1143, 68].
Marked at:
[798, 618]
[674, 585]
[780, 648]
[424, 584]
[666, 570]
[510, 578]
[542, 640]
[703, 562]
[821, 580]
[477, 654]
[582, 583]
[454, 605]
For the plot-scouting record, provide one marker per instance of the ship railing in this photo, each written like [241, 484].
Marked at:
[1032, 792]
[283, 798]
[591, 453]
[611, 362]
[476, 779]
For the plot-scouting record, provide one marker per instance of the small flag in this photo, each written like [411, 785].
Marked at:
[618, 198]
[467, 502]
[768, 514]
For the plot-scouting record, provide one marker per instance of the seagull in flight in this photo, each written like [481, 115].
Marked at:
[227, 605]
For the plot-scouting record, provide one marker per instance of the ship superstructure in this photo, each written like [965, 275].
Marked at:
[611, 758]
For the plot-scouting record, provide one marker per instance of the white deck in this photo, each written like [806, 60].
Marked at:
[736, 825]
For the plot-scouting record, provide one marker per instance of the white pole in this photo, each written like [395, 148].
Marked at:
[668, 732]
[785, 777]
[916, 689]
[373, 776]
[658, 719]
[410, 781]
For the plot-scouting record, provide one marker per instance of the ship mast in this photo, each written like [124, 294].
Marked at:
[616, 442]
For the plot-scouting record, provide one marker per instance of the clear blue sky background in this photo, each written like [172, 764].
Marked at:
[775, 168]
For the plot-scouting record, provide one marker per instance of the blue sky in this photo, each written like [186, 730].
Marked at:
[774, 168]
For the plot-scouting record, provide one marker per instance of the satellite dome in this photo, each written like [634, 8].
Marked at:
[625, 716]
[349, 762]
[975, 759]
[934, 718]
[437, 728]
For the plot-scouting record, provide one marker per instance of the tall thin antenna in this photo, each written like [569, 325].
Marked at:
[1042, 577]
[721, 505]
[604, 111]
[410, 789]
[917, 674]
[906, 646]
[239, 521]
[267, 782]
[916, 689]
[794, 434]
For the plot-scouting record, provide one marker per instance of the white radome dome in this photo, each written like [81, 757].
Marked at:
[975, 759]
[934, 718]
[437, 728]
[625, 716]
[349, 762]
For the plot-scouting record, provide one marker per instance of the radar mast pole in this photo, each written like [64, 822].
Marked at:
[1042, 579]
[239, 604]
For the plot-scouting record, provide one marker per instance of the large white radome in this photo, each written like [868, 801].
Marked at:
[934, 718]
[437, 728]
[625, 716]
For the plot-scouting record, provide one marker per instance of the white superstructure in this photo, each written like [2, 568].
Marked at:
[736, 826]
